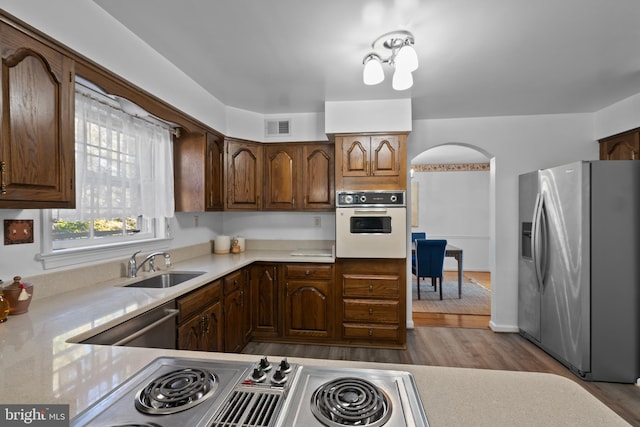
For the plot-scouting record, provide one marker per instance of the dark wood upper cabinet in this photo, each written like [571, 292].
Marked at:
[198, 165]
[371, 161]
[37, 108]
[243, 174]
[623, 146]
[299, 176]
[318, 184]
[282, 176]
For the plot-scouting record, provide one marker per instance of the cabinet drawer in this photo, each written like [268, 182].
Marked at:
[371, 311]
[379, 286]
[371, 332]
[196, 300]
[308, 271]
[233, 282]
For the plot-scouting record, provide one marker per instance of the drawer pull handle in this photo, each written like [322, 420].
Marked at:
[370, 288]
[370, 311]
[308, 272]
[370, 332]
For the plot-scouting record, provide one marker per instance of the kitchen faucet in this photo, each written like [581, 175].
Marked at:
[133, 267]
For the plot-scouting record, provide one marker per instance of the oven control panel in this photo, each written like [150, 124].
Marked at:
[370, 198]
[267, 374]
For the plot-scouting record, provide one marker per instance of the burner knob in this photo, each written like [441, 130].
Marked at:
[285, 366]
[363, 198]
[258, 375]
[278, 377]
[265, 365]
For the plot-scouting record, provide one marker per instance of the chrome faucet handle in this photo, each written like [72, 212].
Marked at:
[167, 260]
[152, 267]
[133, 268]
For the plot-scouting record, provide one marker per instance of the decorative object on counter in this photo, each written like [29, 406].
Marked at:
[235, 246]
[222, 245]
[19, 296]
[241, 243]
[4, 307]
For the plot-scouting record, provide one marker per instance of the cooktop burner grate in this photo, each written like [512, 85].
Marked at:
[350, 401]
[176, 391]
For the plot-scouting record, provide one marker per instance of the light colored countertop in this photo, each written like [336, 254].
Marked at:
[39, 365]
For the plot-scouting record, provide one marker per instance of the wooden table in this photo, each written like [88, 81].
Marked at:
[451, 252]
[455, 252]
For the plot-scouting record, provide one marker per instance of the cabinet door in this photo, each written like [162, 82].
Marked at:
[318, 191]
[625, 146]
[281, 189]
[264, 297]
[355, 155]
[214, 181]
[243, 175]
[233, 330]
[307, 309]
[245, 302]
[385, 156]
[213, 334]
[37, 107]
[190, 334]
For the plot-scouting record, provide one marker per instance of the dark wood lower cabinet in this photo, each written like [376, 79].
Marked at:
[237, 311]
[373, 301]
[265, 299]
[355, 302]
[200, 320]
[308, 301]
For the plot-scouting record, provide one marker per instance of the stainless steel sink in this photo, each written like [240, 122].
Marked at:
[166, 280]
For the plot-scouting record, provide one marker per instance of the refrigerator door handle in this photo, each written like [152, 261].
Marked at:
[535, 241]
[544, 242]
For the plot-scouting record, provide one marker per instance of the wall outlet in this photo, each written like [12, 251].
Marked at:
[317, 221]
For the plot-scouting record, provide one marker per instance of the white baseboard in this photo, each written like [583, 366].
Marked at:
[503, 328]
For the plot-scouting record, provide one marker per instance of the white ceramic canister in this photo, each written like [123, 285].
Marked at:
[222, 245]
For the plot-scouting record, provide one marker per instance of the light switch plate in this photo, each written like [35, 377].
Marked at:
[18, 231]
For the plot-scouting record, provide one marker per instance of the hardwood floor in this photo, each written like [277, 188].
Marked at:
[467, 348]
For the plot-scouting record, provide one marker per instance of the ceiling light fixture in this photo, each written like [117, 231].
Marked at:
[403, 59]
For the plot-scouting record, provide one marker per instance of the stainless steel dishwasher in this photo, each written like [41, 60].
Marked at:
[154, 329]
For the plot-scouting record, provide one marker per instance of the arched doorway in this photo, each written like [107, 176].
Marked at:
[450, 198]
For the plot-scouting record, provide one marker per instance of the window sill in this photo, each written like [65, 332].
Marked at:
[67, 257]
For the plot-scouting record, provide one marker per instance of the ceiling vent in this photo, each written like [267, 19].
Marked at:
[277, 127]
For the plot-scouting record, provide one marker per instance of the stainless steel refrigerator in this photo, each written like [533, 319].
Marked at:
[579, 266]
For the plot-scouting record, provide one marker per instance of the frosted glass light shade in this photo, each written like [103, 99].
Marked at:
[407, 59]
[373, 72]
[402, 80]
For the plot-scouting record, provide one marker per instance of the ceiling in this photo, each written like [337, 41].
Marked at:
[477, 58]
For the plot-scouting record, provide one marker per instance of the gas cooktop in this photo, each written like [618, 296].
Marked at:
[207, 393]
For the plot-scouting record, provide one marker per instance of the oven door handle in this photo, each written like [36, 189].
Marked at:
[370, 210]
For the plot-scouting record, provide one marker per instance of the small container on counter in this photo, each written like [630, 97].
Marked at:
[19, 296]
[222, 245]
[241, 243]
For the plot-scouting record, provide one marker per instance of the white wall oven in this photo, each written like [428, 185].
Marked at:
[371, 224]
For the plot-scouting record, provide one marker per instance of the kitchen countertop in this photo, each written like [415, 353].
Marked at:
[40, 366]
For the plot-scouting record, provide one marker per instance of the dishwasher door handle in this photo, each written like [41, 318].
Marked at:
[171, 313]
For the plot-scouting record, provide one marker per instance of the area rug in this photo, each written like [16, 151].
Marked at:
[476, 299]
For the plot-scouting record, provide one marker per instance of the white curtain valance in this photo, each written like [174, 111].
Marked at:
[124, 164]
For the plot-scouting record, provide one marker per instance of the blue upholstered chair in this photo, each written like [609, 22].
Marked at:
[418, 235]
[429, 261]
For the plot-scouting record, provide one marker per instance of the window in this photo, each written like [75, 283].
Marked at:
[124, 181]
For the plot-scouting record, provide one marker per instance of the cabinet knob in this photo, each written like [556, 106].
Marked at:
[308, 272]
[370, 311]
[370, 288]
[370, 332]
